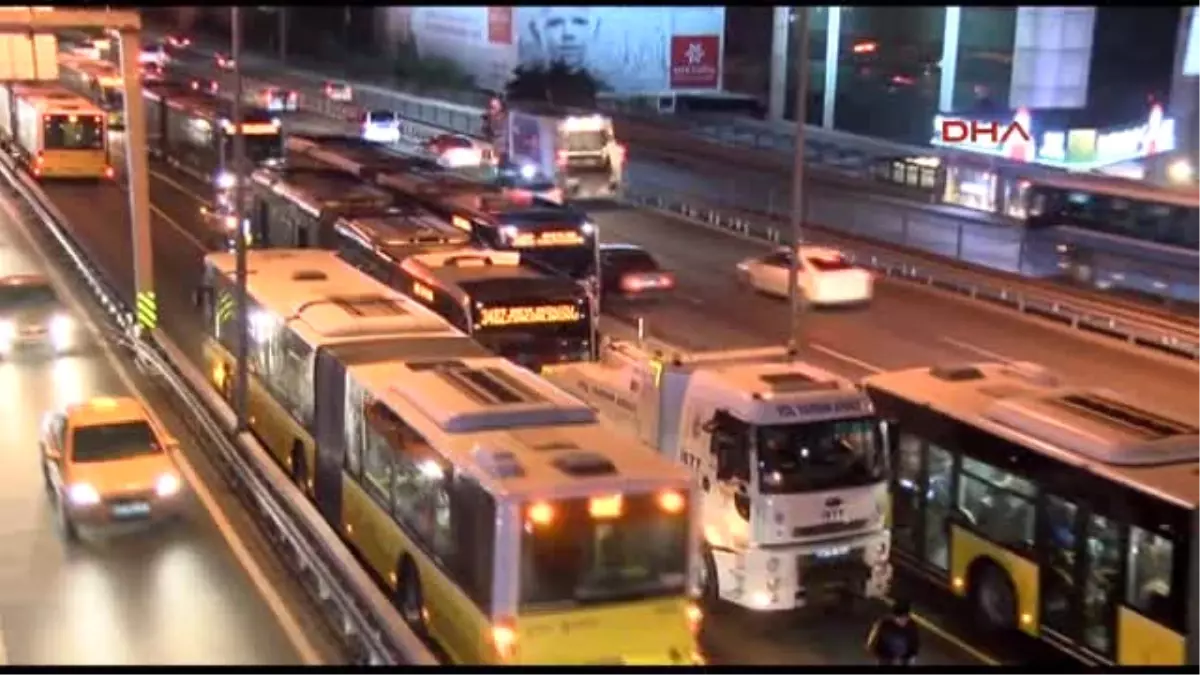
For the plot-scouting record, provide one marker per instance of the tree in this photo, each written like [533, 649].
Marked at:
[558, 85]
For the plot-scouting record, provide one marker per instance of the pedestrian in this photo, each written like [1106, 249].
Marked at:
[893, 640]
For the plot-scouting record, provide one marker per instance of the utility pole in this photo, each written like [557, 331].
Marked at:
[138, 178]
[283, 32]
[798, 175]
[239, 160]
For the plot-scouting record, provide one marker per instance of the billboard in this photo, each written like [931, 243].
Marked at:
[631, 50]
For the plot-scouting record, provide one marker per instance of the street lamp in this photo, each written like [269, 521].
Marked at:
[801, 24]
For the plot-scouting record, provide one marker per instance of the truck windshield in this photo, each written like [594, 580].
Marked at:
[575, 559]
[815, 456]
[586, 141]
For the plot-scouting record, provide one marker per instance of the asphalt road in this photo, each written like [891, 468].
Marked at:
[905, 326]
[183, 592]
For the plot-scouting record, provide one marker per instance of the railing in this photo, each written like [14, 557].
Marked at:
[371, 630]
[875, 227]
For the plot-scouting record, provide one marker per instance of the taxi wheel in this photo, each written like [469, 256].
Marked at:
[69, 531]
[409, 598]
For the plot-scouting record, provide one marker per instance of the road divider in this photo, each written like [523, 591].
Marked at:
[371, 630]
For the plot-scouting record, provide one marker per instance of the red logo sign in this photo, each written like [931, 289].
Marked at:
[695, 61]
[500, 28]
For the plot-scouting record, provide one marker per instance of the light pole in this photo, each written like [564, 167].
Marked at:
[798, 176]
[239, 156]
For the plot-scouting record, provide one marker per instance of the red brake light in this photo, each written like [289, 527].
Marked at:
[562, 157]
[632, 283]
[108, 172]
[622, 151]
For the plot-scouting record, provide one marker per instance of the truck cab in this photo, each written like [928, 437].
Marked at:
[579, 150]
[790, 460]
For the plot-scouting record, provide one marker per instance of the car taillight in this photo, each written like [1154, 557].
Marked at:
[39, 160]
[108, 172]
[622, 152]
[562, 158]
[666, 281]
[632, 283]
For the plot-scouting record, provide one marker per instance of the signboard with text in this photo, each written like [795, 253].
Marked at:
[695, 61]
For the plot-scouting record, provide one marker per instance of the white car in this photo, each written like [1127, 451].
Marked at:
[224, 61]
[339, 91]
[380, 126]
[824, 276]
[455, 151]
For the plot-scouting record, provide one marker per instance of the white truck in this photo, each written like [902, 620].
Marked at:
[790, 459]
[579, 152]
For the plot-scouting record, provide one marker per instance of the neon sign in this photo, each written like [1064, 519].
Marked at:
[546, 239]
[491, 317]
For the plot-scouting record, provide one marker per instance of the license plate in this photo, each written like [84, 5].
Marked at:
[131, 509]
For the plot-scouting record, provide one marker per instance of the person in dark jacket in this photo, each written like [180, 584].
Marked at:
[893, 640]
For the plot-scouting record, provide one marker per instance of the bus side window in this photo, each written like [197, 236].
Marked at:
[475, 512]
[1148, 588]
[730, 446]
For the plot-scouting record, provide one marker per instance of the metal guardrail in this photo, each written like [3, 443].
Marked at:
[371, 630]
[1139, 329]
[1134, 325]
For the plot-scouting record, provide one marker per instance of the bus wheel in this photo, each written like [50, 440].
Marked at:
[993, 598]
[299, 467]
[409, 599]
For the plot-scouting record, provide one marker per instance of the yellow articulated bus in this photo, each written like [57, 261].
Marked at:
[303, 302]
[55, 133]
[506, 523]
[1057, 514]
[98, 81]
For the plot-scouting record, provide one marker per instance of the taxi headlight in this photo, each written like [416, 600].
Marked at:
[167, 485]
[82, 494]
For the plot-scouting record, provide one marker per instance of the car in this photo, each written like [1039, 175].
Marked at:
[339, 91]
[380, 126]
[32, 316]
[456, 150]
[156, 54]
[178, 41]
[152, 72]
[824, 276]
[629, 272]
[275, 99]
[205, 84]
[106, 462]
[224, 61]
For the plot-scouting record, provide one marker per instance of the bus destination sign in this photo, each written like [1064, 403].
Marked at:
[547, 239]
[523, 315]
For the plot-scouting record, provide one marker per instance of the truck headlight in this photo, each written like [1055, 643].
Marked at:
[82, 494]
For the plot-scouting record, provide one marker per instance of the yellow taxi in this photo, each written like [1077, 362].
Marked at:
[107, 462]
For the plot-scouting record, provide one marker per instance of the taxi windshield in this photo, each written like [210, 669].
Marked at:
[108, 442]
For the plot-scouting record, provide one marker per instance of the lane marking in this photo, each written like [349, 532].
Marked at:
[870, 368]
[288, 622]
[983, 657]
[986, 353]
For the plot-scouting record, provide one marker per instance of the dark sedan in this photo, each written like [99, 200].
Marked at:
[629, 272]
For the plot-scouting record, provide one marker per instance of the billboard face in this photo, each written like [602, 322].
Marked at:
[631, 50]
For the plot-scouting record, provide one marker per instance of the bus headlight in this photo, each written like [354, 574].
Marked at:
[528, 171]
[588, 229]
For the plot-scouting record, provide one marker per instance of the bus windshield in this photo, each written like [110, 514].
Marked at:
[815, 456]
[577, 559]
[73, 132]
[536, 332]
[586, 141]
[259, 147]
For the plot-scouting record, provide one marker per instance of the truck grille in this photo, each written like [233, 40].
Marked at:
[828, 529]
